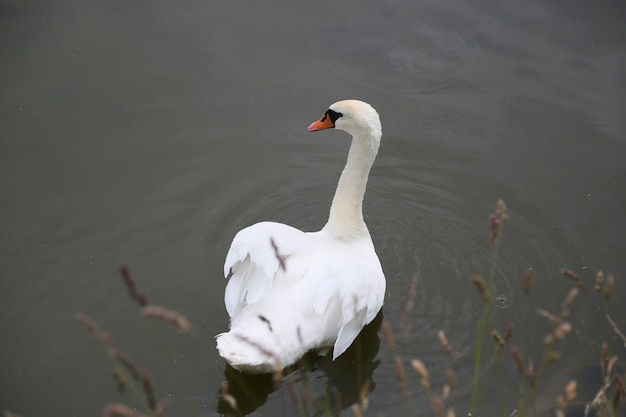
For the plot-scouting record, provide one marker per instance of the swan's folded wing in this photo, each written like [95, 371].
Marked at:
[254, 258]
[361, 291]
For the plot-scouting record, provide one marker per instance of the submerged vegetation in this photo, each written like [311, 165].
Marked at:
[349, 378]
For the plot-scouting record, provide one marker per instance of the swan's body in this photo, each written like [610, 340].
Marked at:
[291, 291]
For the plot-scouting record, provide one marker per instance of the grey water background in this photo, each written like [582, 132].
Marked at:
[152, 131]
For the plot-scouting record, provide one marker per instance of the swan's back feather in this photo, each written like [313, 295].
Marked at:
[255, 241]
[361, 291]
[254, 258]
[325, 295]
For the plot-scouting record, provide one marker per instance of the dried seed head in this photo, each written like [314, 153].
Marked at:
[495, 226]
[553, 357]
[386, 328]
[438, 406]
[554, 319]
[496, 221]
[529, 373]
[410, 302]
[228, 398]
[610, 364]
[363, 394]
[413, 285]
[148, 387]
[609, 287]
[356, 410]
[570, 391]
[605, 355]
[562, 330]
[419, 367]
[126, 277]
[570, 274]
[277, 376]
[88, 324]
[139, 297]
[162, 407]
[531, 377]
[501, 210]
[567, 302]
[621, 387]
[497, 338]
[509, 331]
[573, 276]
[548, 340]
[400, 373]
[106, 338]
[599, 281]
[169, 316]
[128, 363]
[364, 403]
[527, 280]
[444, 341]
[421, 370]
[445, 392]
[480, 284]
[86, 321]
[451, 378]
[518, 358]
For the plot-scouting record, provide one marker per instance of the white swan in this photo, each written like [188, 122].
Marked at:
[291, 291]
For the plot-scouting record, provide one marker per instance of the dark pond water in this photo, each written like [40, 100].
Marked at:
[152, 131]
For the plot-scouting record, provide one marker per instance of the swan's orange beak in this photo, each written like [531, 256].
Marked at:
[321, 124]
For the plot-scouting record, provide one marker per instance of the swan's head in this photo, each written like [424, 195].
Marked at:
[353, 116]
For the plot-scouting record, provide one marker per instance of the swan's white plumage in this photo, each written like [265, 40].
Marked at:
[292, 291]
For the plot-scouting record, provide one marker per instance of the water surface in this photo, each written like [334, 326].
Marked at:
[152, 131]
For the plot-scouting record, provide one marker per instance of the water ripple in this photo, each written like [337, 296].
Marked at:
[17, 20]
[437, 46]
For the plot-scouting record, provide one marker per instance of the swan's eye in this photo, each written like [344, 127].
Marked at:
[334, 115]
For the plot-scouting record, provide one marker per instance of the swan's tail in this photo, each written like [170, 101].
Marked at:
[247, 355]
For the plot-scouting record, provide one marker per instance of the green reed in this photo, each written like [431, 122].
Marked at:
[497, 221]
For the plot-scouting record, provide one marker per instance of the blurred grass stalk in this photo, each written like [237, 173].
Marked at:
[496, 222]
[125, 369]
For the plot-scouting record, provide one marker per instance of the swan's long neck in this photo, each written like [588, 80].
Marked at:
[346, 214]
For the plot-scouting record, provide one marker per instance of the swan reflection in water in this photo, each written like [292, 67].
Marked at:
[344, 379]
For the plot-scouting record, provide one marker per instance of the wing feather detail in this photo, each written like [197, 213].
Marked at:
[359, 289]
[254, 262]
